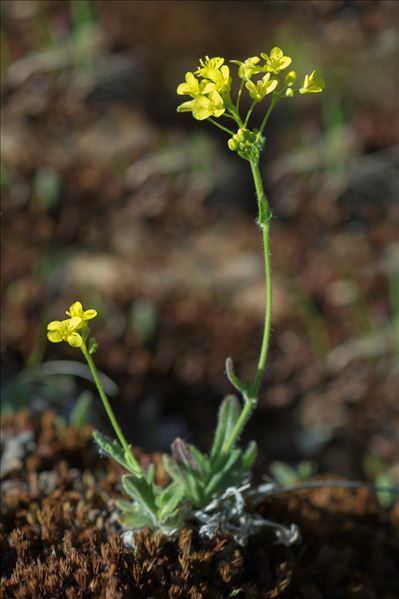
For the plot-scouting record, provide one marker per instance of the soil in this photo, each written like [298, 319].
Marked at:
[60, 538]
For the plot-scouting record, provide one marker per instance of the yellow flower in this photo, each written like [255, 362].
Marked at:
[217, 72]
[276, 62]
[76, 311]
[247, 68]
[313, 84]
[203, 107]
[261, 88]
[65, 330]
[209, 63]
[193, 87]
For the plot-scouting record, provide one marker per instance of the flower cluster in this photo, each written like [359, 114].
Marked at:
[210, 86]
[73, 329]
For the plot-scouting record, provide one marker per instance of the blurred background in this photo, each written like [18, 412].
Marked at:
[112, 198]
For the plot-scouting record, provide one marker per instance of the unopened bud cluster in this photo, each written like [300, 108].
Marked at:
[248, 144]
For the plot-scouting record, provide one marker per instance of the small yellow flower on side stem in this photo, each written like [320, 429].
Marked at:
[203, 107]
[193, 87]
[65, 330]
[313, 84]
[76, 310]
[261, 88]
[276, 62]
[217, 72]
[248, 68]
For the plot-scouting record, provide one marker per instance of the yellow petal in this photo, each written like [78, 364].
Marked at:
[276, 53]
[271, 86]
[74, 322]
[54, 325]
[54, 336]
[75, 309]
[182, 90]
[202, 108]
[75, 340]
[285, 62]
[89, 314]
[186, 106]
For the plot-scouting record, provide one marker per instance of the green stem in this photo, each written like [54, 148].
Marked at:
[107, 406]
[239, 95]
[268, 311]
[220, 126]
[264, 219]
[249, 113]
[249, 405]
[250, 397]
[272, 104]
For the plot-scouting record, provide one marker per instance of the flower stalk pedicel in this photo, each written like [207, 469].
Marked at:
[198, 479]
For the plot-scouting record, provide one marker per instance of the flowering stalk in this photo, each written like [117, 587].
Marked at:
[260, 80]
[75, 331]
[105, 401]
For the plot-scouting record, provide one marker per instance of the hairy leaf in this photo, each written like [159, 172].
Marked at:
[113, 449]
[132, 516]
[200, 459]
[169, 499]
[228, 415]
[249, 456]
[141, 491]
[226, 474]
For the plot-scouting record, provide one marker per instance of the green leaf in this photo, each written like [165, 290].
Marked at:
[283, 473]
[249, 456]
[142, 492]
[169, 499]
[132, 516]
[182, 455]
[226, 474]
[79, 416]
[171, 468]
[200, 460]
[228, 415]
[150, 473]
[113, 449]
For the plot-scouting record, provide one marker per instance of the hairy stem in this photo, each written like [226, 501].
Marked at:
[264, 219]
[250, 397]
[107, 406]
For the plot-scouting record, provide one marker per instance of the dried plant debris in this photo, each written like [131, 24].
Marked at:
[59, 537]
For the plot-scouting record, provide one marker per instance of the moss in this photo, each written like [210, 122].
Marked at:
[65, 542]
